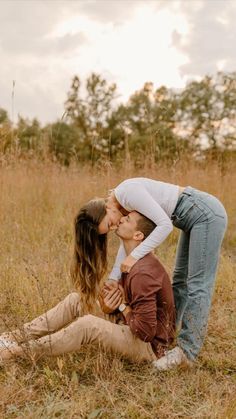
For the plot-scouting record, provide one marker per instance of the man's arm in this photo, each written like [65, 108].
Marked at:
[141, 315]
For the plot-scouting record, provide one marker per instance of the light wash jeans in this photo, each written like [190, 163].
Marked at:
[203, 220]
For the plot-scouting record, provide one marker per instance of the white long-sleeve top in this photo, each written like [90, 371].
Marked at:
[157, 201]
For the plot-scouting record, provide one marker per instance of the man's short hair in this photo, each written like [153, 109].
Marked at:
[145, 225]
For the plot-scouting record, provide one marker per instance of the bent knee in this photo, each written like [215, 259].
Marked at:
[73, 298]
[72, 302]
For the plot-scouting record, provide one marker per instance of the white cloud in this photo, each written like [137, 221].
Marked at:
[210, 44]
[43, 44]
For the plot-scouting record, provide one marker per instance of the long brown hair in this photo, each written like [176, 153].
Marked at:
[90, 252]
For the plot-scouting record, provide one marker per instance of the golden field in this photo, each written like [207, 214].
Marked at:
[38, 202]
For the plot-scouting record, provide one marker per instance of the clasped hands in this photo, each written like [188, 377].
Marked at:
[111, 296]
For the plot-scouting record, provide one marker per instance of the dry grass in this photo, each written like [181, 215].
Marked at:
[37, 206]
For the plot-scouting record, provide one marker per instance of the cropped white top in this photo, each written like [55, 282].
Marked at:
[157, 201]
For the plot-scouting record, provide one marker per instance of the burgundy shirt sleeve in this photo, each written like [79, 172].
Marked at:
[142, 320]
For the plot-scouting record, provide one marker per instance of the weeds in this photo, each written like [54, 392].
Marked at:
[38, 202]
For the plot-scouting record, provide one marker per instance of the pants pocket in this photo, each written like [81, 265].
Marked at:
[183, 209]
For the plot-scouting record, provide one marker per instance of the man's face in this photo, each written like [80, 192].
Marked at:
[128, 226]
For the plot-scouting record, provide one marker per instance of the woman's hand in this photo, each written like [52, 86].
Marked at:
[128, 263]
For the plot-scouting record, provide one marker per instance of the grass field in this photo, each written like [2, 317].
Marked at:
[38, 202]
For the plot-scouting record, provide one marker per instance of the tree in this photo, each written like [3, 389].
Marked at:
[89, 114]
[3, 116]
[206, 111]
[63, 141]
[29, 134]
[6, 131]
[146, 123]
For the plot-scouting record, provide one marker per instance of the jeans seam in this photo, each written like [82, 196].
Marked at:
[204, 250]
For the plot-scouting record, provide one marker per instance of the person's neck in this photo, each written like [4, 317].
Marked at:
[114, 200]
[117, 205]
[130, 245]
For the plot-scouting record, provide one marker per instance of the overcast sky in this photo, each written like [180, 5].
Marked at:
[44, 43]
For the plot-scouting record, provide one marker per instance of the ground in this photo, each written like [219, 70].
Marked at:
[38, 203]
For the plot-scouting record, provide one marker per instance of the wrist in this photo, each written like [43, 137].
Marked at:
[124, 308]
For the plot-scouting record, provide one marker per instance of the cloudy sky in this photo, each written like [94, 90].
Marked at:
[44, 43]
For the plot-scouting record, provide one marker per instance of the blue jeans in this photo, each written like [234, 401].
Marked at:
[203, 220]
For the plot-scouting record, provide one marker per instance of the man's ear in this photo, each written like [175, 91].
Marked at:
[138, 235]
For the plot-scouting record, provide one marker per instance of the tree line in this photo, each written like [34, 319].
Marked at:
[161, 123]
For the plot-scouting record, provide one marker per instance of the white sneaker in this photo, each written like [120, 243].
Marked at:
[6, 343]
[171, 359]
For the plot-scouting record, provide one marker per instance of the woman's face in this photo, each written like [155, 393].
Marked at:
[111, 220]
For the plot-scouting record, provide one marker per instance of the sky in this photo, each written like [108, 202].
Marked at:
[45, 43]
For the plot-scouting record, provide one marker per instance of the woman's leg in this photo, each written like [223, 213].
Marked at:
[180, 276]
[204, 249]
[91, 329]
[56, 318]
[205, 219]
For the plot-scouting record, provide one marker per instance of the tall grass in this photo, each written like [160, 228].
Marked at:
[38, 202]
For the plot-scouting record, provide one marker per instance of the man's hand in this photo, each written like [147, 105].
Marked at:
[122, 291]
[111, 284]
[110, 297]
[113, 299]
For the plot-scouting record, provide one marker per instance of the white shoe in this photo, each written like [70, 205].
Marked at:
[171, 359]
[6, 343]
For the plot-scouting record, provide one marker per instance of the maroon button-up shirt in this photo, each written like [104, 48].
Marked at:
[149, 293]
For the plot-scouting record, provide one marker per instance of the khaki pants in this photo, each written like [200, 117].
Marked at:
[61, 330]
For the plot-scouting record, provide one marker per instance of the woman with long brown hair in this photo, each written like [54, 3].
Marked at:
[89, 265]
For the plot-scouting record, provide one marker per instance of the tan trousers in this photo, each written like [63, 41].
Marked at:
[61, 330]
